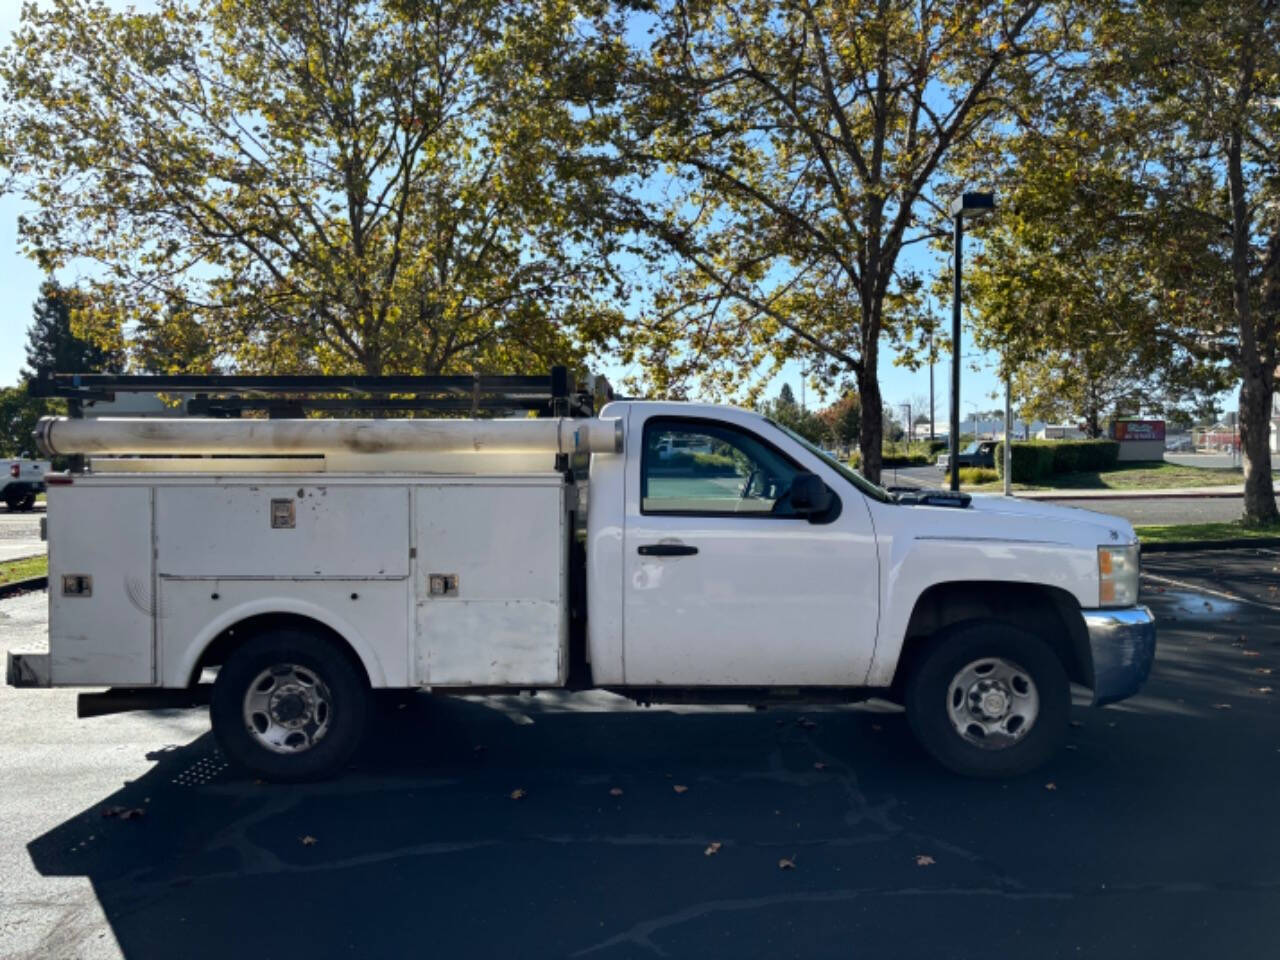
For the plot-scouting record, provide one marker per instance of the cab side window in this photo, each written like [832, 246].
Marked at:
[695, 467]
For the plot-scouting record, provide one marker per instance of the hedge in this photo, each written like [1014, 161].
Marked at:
[910, 460]
[1036, 461]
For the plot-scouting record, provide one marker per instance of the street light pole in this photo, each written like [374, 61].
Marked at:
[1008, 436]
[965, 205]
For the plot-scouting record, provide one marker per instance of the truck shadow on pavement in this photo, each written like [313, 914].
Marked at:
[582, 826]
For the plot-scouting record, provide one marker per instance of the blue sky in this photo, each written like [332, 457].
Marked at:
[20, 282]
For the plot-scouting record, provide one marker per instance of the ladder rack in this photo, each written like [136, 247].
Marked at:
[293, 396]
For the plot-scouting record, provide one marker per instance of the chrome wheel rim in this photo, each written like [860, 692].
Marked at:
[287, 708]
[993, 703]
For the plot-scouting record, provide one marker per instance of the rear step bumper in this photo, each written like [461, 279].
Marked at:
[124, 699]
[28, 670]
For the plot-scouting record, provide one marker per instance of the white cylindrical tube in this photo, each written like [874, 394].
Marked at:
[141, 435]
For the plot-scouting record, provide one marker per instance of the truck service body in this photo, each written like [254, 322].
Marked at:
[722, 559]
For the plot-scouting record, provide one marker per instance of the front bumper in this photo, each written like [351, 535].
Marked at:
[1123, 644]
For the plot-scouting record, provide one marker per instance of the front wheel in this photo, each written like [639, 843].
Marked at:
[989, 700]
[289, 706]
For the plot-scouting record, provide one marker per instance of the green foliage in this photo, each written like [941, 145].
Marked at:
[1135, 261]
[348, 186]
[1038, 461]
[786, 411]
[973, 476]
[795, 151]
[842, 420]
[1032, 461]
[18, 415]
[52, 343]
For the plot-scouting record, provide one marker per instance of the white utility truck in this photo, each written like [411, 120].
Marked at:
[723, 559]
[23, 482]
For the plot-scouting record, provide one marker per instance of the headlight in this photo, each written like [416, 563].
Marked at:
[1118, 576]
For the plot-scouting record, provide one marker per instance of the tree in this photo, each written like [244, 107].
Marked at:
[1145, 246]
[809, 144]
[52, 343]
[1208, 75]
[843, 419]
[19, 412]
[788, 413]
[339, 185]
[1064, 288]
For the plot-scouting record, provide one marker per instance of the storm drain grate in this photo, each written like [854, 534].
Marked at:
[205, 770]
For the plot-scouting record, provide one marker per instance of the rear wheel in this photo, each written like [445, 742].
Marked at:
[288, 706]
[989, 700]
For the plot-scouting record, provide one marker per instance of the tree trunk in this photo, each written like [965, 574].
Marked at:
[1256, 358]
[1255, 444]
[871, 435]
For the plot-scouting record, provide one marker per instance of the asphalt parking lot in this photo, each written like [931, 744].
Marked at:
[1154, 835]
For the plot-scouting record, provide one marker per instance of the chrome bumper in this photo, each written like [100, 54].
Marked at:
[1123, 644]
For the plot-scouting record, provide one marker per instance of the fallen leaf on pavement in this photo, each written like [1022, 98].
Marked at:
[112, 811]
[131, 813]
[1265, 691]
[1070, 746]
[786, 863]
[307, 841]
[1051, 786]
[615, 792]
[1222, 706]
[517, 793]
[819, 766]
[679, 788]
[479, 748]
[712, 849]
[1250, 653]
[1265, 671]
[924, 860]
[876, 727]
[1076, 723]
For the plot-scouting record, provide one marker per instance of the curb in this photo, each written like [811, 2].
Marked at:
[1124, 495]
[1189, 546]
[22, 586]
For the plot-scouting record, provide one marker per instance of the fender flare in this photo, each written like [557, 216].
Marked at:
[193, 651]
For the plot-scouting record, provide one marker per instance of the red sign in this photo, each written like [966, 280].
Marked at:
[1137, 430]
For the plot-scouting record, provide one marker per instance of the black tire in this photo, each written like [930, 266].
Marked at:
[28, 503]
[337, 682]
[12, 503]
[929, 687]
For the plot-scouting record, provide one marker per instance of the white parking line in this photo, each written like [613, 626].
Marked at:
[1221, 594]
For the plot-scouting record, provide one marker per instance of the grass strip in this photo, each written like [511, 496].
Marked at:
[1190, 532]
[24, 569]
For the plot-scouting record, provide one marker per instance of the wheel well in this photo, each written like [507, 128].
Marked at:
[220, 647]
[1048, 612]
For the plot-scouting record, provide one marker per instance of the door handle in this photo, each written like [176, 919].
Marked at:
[667, 550]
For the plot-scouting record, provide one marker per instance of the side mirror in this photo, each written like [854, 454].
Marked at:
[809, 495]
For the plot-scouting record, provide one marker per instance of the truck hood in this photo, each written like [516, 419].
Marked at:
[1037, 520]
[989, 517]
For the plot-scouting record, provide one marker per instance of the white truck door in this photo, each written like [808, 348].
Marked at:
[723, 584]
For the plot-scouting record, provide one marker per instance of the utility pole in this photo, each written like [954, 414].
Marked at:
[931, 384]
[965, 205]
[1008, 437]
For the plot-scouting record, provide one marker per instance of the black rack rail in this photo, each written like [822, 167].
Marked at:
[293, 396]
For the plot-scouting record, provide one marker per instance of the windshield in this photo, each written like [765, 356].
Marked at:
[857, 479]
[971, 448]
